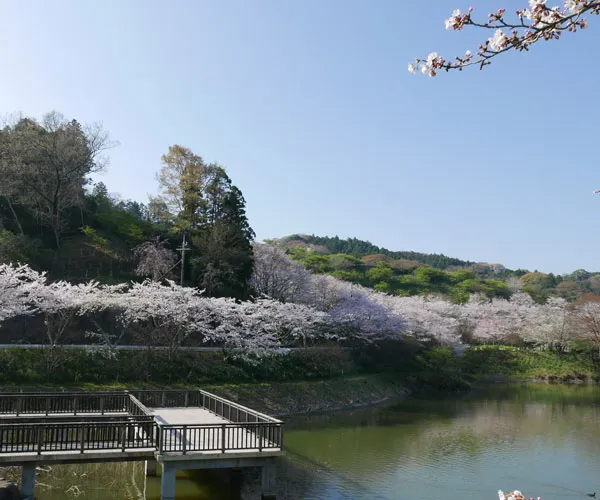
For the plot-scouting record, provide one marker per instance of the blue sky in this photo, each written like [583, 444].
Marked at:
[309, 106]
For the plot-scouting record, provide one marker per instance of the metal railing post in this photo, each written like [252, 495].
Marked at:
[123, 437]
[184, 439]
[82, 438]
[223, 428]
[40, 440]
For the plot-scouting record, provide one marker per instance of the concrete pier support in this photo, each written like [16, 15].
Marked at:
[267, 480]
[151, 468]
[28, 481]
[167, 483]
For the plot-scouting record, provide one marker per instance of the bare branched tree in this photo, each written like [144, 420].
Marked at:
[49, 163]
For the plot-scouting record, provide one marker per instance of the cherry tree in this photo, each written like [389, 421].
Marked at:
[24, 291]
[60, 302]
[429, 318]
[278, 276]
[545, 325]
[549, 325]
[103, 310]
[160, 314]
[587, 319]
[494, 320]
[529, 25]
[19, 285]
[359, 316]
[324, 292]
[264, 324]
[154, 259]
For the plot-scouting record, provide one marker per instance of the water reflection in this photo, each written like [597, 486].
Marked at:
[127, 481]
[542, 439]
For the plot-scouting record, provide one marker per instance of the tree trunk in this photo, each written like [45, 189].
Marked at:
[19, 227]
[56, 232]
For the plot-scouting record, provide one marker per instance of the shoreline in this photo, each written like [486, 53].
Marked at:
[287, 399]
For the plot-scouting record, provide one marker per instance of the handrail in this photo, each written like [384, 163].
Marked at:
[77, 436]
[47, 403]
[62, 418]
[224, 437]
[60, 393]
[250, 411]
[136, 407]
[168, 398]
[131, 420]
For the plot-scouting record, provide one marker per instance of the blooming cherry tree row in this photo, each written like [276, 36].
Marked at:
[168, 314]
[362, 312]
[529, 25]
[323, 308]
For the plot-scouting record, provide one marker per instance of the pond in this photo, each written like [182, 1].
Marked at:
[541, 439]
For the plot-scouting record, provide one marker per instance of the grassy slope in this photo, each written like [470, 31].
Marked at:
[511, 362]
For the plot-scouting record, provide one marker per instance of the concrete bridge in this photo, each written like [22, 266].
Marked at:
[173, 429]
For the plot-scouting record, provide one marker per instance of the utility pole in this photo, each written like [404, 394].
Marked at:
[183, 248]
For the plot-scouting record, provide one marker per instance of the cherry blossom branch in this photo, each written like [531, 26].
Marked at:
[538, 22]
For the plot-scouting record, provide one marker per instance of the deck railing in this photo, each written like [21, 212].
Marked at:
[220, 437]
[233, 411]
[56, 403]
[168, 398]
[77, 436]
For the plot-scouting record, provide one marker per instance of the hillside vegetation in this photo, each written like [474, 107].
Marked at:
[53, 219]
[408, 273]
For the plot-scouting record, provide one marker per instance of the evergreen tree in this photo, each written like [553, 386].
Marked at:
[225, 260]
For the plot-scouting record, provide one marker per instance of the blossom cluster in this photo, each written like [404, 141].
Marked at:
[515, 495]
[536, 22]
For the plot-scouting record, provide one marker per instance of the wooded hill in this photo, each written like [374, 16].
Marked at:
[53, 219]
[415, 273]
[360, 248]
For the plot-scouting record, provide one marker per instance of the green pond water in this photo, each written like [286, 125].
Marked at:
[542, 439]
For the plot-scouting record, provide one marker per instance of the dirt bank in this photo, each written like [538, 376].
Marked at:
[293, 398]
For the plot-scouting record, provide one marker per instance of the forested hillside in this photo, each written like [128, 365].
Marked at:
[53, 219]
[408, 273]
[359, 248]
